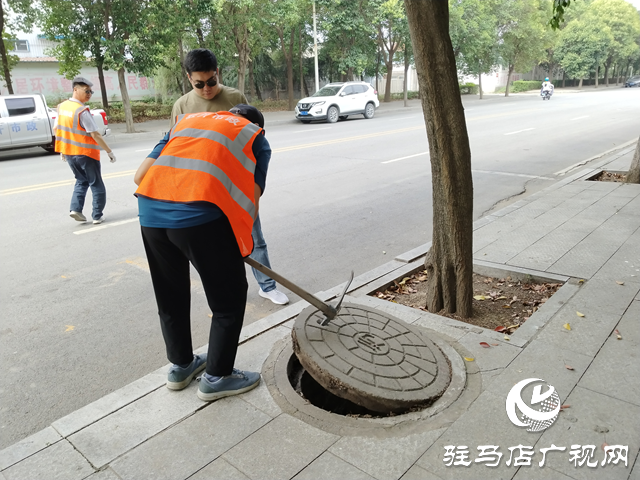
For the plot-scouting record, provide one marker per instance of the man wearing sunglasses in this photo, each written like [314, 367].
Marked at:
[79, 142]
[208, 95]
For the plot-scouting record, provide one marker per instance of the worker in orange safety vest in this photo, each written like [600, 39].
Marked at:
[79, 142]
[198, 196]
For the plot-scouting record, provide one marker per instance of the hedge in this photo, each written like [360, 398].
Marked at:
[468, 89]
[525, 85]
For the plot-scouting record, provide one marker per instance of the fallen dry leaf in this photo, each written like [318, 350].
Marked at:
[568, 367]
[404, 280]
[506, 337]
[620, 283]
[500, 329]
[618, 336]
[479, 297]
[605, 444]
[581, 280]
[495, 344]
[563, 407]
[485, 345]
[567, 326]
[469, 359]
[580, 314]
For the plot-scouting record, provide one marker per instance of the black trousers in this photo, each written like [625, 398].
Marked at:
[214, 252]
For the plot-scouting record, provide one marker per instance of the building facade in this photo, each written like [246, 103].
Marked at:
[37, 72]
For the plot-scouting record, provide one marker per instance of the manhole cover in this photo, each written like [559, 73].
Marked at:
[371, 358]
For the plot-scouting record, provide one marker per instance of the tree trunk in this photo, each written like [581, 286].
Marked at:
[301, 65]
[103, 88]
[596, 75]
[306, 88]
[606, 73]
[563, 78]
[241, 38]
[387, 85]
[480, 84]
[449, 262]
[377, 69]
[200, 36]
[580, 84]
[126, 104]
[184, 82]
[252, 83]
[3, 52]
[634, 170]
[506, 91]
[406, 80]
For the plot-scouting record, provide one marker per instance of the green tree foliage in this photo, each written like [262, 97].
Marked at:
[583, 44]
[522, 27]
[14, 15]
[473, 27]
[392, 29]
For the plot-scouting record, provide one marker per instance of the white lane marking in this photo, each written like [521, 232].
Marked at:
[580, 118]
[404, 158]
[584, 162]
[519, 131]
[491, 172]
[103, 226]
[311, 130]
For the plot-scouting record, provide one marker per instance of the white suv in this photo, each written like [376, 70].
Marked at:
[337, 101]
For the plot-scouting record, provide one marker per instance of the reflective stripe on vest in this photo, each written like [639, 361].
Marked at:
[71, 137]
[209, 158]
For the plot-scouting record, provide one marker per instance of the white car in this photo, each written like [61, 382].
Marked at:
[336, 101]
[26, 121]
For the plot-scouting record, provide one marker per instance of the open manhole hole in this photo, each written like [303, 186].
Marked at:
[366, 362]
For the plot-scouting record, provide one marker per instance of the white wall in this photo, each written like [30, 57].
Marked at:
[42, 77]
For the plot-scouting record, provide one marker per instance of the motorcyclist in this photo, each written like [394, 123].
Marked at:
[547, 86]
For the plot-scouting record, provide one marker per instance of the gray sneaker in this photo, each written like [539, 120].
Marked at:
[180, 378]
[234, 384]
[77, 216]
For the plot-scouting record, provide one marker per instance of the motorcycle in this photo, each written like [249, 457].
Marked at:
[546, 94]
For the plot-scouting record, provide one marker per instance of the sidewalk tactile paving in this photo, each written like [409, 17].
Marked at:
[280, 449]
[59, 461]
[385, 458]
[206, 435]
[329, 466]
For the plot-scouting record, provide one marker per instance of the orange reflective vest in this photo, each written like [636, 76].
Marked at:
[209, 158]
[71, 138]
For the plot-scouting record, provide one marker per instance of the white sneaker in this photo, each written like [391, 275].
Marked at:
[77, 216]
[276, 296]
[100, 220]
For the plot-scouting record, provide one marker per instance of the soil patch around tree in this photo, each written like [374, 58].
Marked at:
[605, 176]
[500, 304]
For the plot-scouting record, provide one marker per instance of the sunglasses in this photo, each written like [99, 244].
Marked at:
[88, 92]
[199, 84]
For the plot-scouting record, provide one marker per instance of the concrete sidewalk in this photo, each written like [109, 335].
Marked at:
[583, 233]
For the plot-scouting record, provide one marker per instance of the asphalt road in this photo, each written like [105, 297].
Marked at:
[78, 314]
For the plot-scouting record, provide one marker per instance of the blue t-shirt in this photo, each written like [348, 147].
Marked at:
[159, 214]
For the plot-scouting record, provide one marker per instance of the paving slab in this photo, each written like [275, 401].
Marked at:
[485, 423]
[219, 469]
[106, 474]
[329, 466]
[260, 398]
[185, 448]
[535, 473]
[27, 447]
[614, 371]
[116, 434]
[110, 403]
[492, 358]
[385, 458]
[541, 359]
[280, 449]
[587, 334]
[593, 419]
[251, 355]
[419, 473]
[602, 295]
[58, 461]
